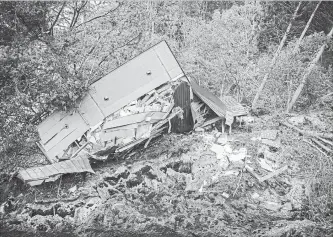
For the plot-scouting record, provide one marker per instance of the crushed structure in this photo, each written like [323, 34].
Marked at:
[140, 100]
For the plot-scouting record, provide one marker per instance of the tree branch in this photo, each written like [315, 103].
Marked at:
[77, 13]
[97, 17]
[127, 43]
[57, 18]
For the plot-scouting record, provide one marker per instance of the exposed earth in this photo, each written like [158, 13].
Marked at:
[179, 187]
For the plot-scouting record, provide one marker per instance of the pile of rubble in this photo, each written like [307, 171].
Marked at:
[232, 162]
[139, 121]
[206, 183]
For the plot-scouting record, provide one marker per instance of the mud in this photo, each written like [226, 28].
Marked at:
[149, 195]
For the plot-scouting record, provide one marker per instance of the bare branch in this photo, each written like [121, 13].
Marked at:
[77, 13]
[97, 17]
[138, 37]
[57, 18]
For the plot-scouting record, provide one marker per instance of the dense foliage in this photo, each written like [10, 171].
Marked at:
[51, 51]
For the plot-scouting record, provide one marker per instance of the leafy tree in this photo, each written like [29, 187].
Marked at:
[222, 52]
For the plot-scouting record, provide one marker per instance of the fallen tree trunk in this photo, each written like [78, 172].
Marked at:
[261, 87]
[298, 43]
[309, 133]
[308, 72]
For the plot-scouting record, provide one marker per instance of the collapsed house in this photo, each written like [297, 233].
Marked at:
[147, 96]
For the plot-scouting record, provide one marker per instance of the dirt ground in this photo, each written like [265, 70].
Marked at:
[178, 186]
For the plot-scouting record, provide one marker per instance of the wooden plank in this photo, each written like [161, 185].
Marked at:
[80, 149]
[134, 119]
[143, 130]
[123, 121]
[129, 126]
[113, 135]
[274, 173]
[208, 122]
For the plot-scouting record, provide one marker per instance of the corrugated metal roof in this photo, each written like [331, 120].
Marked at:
[182, 98]
[38, 175]
[209, 99]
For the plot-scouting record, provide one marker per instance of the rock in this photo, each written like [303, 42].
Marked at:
[218, 134]
[239, 155]
[64, 210]
[255, 196]
[199, 129]
[228, 148]
[223, 139]
[287, 207]
[225, 195]
[264, 164]
[224, 162]
[221, 150]
[300, 119]
[120, 171]
[103, 193]
[141, 169]
[81, 215]
[247, 119]
[272, 206]
[92, 201]
[73, 189]
[2, 209]
[133, 180]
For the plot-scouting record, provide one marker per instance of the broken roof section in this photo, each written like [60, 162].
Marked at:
[234, 107]
[142, 74]
[209, 99]
[135, 78]
[38, 175]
